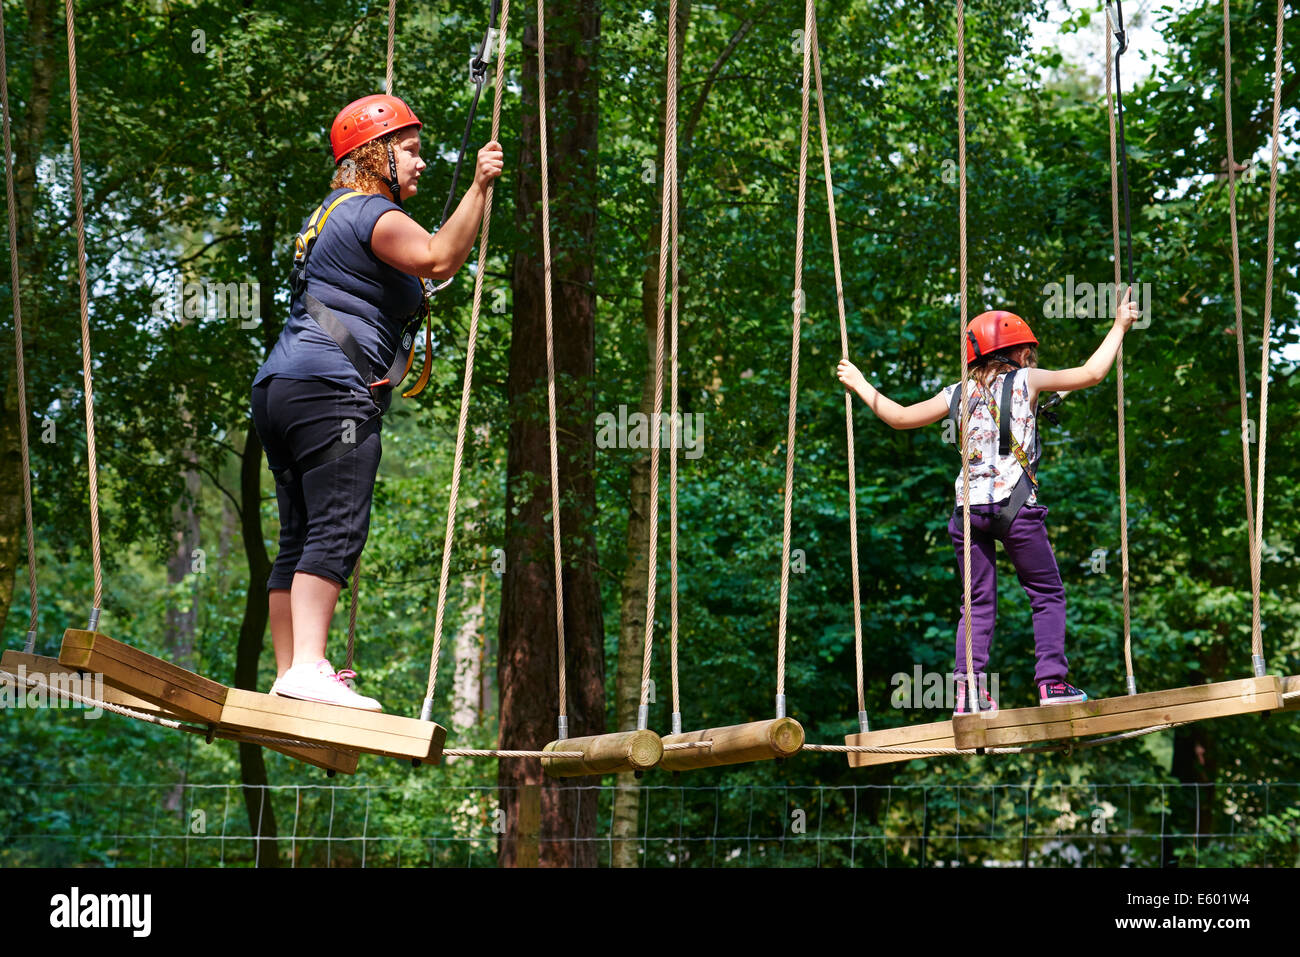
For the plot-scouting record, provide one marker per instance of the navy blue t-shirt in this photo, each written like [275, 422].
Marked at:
[368, 296]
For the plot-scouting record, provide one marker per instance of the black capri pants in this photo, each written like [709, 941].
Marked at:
[324, 508]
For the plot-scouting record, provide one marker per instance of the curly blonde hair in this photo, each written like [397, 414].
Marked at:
[365, 169]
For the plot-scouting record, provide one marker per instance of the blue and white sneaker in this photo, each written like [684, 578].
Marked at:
[1059, 692]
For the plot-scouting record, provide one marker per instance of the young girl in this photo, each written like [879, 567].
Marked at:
[1004, 448]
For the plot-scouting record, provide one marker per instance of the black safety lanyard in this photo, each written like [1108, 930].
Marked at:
[1121, 38]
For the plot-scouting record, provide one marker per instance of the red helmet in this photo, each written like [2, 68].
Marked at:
[990, 331]
[368, 119]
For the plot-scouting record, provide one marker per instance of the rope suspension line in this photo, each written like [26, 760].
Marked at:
[674, 432]
[1236, 295]
[426, 711]
[87, 381]
[392, 34]
[797, 308]
[665, 228]
[19, 360]
[824, 130]
[971, 691]
[1255, 495]
[563, 721]
[1256, 635]
[1118, 156]
[352, 614]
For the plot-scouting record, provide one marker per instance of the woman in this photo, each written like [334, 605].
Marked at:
[318, 398]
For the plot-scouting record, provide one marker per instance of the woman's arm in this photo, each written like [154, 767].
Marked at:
[401, 242]
[1096, 368]
[890, 412]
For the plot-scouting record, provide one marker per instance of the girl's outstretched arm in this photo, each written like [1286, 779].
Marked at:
[1096, 368]
[890, 412]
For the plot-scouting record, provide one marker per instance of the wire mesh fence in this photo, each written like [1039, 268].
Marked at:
[417, 825]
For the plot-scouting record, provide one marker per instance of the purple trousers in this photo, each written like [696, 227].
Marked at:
[1031, 553]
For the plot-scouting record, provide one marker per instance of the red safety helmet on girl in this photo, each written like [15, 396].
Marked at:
[990, 331]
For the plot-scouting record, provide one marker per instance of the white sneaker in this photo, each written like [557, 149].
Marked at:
[319, 683]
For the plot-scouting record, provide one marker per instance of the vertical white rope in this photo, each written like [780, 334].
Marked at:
[824, 130]
[1131, 681]
[392, 36]
[1257, 638]
[665, 228]
[675, 433]
[1251, 533]
[472, 342]
[971, 691]
[550, 362]
[797, 309]
[92, 465]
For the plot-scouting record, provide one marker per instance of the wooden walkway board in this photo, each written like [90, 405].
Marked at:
[935, 735]
[735, 744]
[328, 759]
[143, 675]
[1016, 726]
[347, 728]
[60, 677]
[1291, 683]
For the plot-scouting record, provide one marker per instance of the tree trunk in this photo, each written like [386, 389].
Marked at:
[467, 648]
[528, 660]
[252, 631]
[252, 768]
[43, 32]
[181, 624]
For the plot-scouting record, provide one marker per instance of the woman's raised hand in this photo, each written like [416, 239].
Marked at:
[491, 161]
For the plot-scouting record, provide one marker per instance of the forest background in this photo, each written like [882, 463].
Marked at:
[203, 137]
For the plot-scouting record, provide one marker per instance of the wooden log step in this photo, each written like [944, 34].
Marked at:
[350, 729]
[605, 754]
[59, 677]
[1017, 726]
[937, 734]
[143, 675]
[734, 744]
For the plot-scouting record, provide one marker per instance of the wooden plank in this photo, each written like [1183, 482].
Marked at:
[1291, 685]
[141, 674]
[326, 758]
[45, 669]
[735, 744]
[938, 734]
[48, 669]
[1016, 726]
[347, 728]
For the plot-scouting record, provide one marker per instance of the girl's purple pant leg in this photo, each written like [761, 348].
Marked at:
[1031, 553]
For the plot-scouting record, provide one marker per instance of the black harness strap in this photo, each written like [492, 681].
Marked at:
[1004, 414]
[337, 449]
[1008, 510]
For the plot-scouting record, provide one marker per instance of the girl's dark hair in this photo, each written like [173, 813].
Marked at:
[987, 368]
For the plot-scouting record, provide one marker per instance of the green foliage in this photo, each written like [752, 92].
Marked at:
[200, 166]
